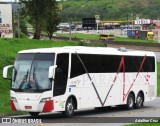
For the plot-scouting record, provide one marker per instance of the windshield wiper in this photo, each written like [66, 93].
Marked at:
[24, 80]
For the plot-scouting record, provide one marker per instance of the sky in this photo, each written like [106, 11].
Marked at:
[7, 0]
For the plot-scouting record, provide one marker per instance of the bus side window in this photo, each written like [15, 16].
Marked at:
[61, 74]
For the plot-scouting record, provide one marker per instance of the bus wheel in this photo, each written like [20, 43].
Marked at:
[139, 101]
[69, 109]
[130, 102]
[34, 113]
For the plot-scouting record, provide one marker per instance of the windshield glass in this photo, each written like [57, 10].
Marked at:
[30, 72]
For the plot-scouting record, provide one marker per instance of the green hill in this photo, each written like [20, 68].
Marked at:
[75, 10]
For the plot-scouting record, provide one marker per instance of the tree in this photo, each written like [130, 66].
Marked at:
[52, 18]
[39, 12]
[35, 10]
[19, 25]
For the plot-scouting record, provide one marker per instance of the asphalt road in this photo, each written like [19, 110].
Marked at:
[157, 55]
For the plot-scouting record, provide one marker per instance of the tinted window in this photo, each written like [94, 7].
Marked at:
[61, 74]
[109, 64]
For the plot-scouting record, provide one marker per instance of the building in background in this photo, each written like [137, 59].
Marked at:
[6, 20]
[144, 23]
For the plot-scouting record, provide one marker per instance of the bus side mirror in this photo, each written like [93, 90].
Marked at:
[5, 71]
[51, 71]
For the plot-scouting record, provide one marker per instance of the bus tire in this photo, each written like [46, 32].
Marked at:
[69, 108]
[34, 113]
[139, 101]
[130, 101]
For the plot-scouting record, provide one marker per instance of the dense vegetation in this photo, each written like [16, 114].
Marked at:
[75, 10]
[44, 15]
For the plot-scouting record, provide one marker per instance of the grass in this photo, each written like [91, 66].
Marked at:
[81, 36]
[96, 37]
[123, 39]
[143, 124]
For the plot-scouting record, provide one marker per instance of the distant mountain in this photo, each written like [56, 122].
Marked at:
[75, 10]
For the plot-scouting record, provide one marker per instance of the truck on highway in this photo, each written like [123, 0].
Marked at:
[133, 33]
[106, 37]
[145, 35]
[65, 79]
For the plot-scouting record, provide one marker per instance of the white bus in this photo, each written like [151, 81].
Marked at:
[72, 78]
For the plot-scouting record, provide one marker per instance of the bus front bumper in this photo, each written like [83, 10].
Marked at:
[32, 106]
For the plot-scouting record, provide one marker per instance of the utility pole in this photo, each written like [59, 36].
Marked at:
[133, 21]
[158, 35]
[70, 31]
[127, 22]
[13, 20]
[18, 29]
[97, 26]
[97, 17]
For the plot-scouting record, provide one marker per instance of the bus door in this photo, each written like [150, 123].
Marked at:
[61, 74]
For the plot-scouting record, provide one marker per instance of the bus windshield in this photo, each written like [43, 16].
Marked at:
[30, 72]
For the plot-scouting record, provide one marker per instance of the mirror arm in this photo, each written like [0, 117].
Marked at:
[5, 71]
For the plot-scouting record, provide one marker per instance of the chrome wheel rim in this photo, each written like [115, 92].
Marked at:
[70, 108]
[130, 102]
[139, 101]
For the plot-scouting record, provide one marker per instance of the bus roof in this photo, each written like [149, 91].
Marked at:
[89, 50]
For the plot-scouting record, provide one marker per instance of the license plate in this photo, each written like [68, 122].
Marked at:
[28, 107]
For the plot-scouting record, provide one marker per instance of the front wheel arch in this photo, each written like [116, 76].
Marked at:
[70, 106]
[74, 100]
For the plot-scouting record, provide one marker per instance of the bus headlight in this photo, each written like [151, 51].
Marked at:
[43, 100]
[14, 99]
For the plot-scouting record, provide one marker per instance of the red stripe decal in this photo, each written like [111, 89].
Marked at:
[124, 97]
[119, 68]
[12, 105]
[122, 64]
